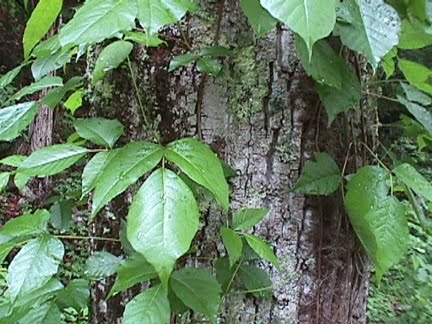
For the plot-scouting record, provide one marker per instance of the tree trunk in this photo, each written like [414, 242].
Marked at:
[264, 118]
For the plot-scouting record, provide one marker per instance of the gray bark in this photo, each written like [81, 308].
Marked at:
[264, 118]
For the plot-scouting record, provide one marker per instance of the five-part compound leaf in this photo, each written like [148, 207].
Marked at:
[262, 248]
[150, 307]
[52, 160]
[259, 18]
[322, 177]
[99, 131]
[200, 164]
[198, 290]
[233, 243]
[162, 221]
[14, 119]
[414, 180]
[245, 219]
[374, 29]
[110, 58]
[311, 19]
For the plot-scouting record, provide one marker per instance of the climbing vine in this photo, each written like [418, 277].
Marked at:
[164, 216]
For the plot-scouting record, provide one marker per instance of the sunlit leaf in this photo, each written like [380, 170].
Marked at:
[99, 131]
[14, 119]
[233, 243]
[262, 249]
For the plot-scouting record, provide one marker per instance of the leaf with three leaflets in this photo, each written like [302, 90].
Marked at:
[76, 295]
[162, 221]
[417, 74]
[256, 281]
[259, 18]
[322, 177]
[98, 20]
[47, 82]
[40, 22]
[34, 265]
[110, 58]
[132, 271]
[200, 164]
[150, 307]
[51, 160]
[14, 119]
[101, 264]
[414, 180]
[245, 219]
[311, 19]
[233, 243]
[198, 290]
[262, 248]
[100, 131]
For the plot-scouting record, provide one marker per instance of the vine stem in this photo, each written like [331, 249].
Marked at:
[381, 96]
[143, 111]
[96, 238]
[233, 276]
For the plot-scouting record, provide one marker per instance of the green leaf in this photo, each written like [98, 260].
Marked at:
[14, 119]
[181, 60]
[76, 295]
[200, 164]
[100, 131]
[210, 66]
[233, 243]
[122, 168]
[21, 180]
[262, 248]
[216, 51]
[415, 95]
[13, 160]
[417, 74]
[144, 39]
[162, 221]
[324, 65]
[256, 281]
[101, 264]
[110, 58]
[388, 62]
[311, 19]
[413, 35]
[61, 214]
[47, 47]
[198, 290]
[47, 82]
[322, 177]
[374, 29]
[7, 79]
[224, 274]
[5, 249]
[150, 307]
[44, 65]
[74, 102]
[132, 271]
[421, 114]
[40, 22]
[152, 15]
[40, 295]
[44, 312]
[4, 180]
[52, 159]
[98, 20]
[53, 98]
[245, 219]
[25, 226]
[336, 100]
[34, 265]
[94, 169]
[259, 18]
[414, 180]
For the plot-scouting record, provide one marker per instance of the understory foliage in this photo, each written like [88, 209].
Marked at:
[164, 216]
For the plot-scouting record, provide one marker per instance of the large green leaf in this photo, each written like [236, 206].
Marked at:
[110, 58]
[101, 264]
[311, 19]
[44, 65]
[76, 295]
[245, 219]
[154, 14]
[259, 18]
[162, 221]
[97, 20]
[414, 180]
[413, 35]
[322, 177]
[122, 168]
[421, 114]
[256, 281]
[200, 164]
[132, 271]
[417, 74]
[99, 131]
[233, 243]
[47, 82]
[34, 265]
[198, 290]
[374, 29]
[14, 119]
[262, 249]
[41, 20]
[25, 225]
[52, 159]
[150, 307]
